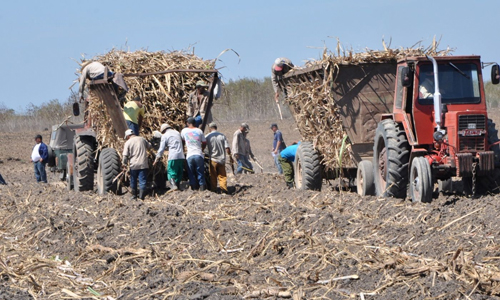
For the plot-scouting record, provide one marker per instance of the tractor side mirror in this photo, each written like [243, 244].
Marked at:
[76, 109]
[406, 77]
[495, 75]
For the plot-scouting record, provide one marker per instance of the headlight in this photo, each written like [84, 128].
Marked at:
[439, 135]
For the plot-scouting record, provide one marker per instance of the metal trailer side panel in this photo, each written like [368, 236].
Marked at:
[363, 92]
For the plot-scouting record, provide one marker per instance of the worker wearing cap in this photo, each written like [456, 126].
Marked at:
[286, 159]
[93, 71]
[40, 157]
[171, 140]
[218, 146]
[278, 146]
[135, 152]
[198, 103]
[133, 111]
[280, 67]
[240, 149]
[195, 142]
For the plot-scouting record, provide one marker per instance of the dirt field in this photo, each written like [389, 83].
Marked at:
[265, 241]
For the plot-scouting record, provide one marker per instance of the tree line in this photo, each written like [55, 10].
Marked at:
[242, 99]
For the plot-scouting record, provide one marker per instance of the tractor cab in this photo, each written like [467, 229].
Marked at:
[60, 145]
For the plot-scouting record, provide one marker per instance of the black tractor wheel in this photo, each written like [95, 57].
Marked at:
[83, 166]
[109, 167]
[307, 168]
[492, 139]
[421, 186]
[69, 177]
[364, 179]
[52, 158]
[391, 154]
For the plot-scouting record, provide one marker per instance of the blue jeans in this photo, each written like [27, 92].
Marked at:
[133, 126]
[196, 171]
[243, 162]
[40, 174]
[142, 174]
[278, 165]
[101, 76]
[2, 181]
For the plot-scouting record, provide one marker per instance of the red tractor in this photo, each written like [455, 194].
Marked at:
[438, 129]
[410, 124]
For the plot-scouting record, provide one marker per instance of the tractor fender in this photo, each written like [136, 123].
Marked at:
[85, 132]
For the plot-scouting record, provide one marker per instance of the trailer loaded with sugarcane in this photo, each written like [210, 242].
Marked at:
[162, 80]
[395, 121]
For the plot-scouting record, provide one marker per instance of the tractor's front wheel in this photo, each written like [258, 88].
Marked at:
[421, 186]
[391, 155]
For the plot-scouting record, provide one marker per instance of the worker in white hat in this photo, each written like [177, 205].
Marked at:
[135, 152]
[171, 140]
[280, 67]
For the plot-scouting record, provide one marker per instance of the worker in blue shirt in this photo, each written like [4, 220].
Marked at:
[286, 159]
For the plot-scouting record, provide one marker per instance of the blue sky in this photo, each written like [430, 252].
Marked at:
[40, 40]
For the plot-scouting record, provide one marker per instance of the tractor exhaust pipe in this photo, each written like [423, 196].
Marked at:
[437, 94]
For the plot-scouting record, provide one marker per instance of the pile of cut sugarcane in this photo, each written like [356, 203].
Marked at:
[314, 109]
[164, 96]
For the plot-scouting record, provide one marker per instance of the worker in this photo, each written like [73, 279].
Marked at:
[240, 149]
[198, 104]
[135, 153]
[133, 111]
[40, 158]
[426, 88]
[171, 140]
[93, 71]
[195, 142]
[286, 159]
[278, 146]
[218, 146]
[280, 67]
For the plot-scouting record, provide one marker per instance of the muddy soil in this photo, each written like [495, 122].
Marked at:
[263, 242]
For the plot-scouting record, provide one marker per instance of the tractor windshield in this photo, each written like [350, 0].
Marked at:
[458, 83]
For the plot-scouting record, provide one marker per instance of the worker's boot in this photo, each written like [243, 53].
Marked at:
[134, 195]
[142, 194]
[173, 185]
[202, 188]
[289, 185]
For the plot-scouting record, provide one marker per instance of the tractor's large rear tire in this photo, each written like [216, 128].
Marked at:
[421, 186]
[307, 168]
[83, 166]
[364, 179]
[493, 138]
[391, 155]
[109, 167]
